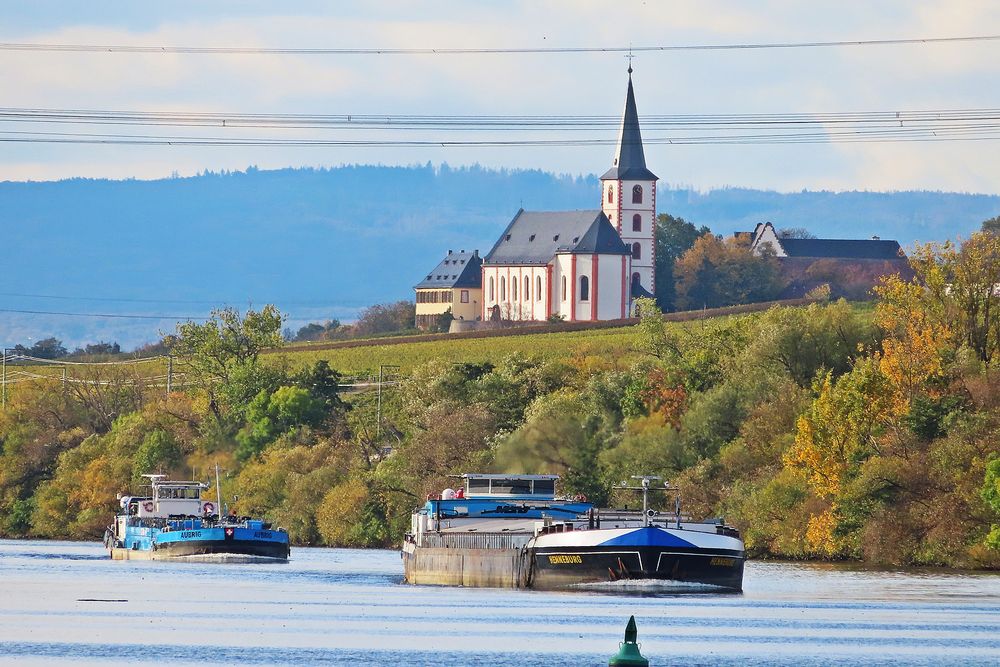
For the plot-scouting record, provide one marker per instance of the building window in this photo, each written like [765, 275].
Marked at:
[527, 288]
[465, 296]
[635, 282]
[637, 194]
[611, 194]
[564, 288]
[584, 288]
[636, 223]
[636, 251]
[538, 288]
[503, 289]
[491, 288]
[513, 290]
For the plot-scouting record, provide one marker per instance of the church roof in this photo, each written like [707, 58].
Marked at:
[457, 269]
[630, 161]
[842, 248]
[535, 237]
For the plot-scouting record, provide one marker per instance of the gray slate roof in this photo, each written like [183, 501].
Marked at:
[842, 248]
[534, 237]
[457, 269]
[630, 162]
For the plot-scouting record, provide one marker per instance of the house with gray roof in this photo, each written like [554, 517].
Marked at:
[454, 285]
[850, 267]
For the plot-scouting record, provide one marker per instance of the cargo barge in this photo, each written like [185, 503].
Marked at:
[512, 531]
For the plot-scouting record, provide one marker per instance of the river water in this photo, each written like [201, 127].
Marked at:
[65, 602]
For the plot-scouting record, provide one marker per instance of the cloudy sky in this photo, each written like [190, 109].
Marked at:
[962, 75]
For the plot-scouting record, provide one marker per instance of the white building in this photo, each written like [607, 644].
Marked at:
[580, 265]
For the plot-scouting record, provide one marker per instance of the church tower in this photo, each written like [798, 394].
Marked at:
[628, 198]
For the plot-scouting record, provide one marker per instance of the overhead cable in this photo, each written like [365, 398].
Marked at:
[428, 51]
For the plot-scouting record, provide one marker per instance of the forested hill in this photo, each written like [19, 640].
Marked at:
[322, 242]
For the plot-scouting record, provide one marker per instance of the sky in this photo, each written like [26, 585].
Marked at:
[962, 75]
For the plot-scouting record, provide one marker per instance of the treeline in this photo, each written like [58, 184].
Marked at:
[831, 431]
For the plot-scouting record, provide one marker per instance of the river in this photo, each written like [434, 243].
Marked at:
[66, 603]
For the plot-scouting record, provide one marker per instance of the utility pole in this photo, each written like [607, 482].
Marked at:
[378, 406]
[4, 379]
[170, 374]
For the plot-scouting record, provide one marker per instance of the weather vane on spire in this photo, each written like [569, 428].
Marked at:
[630, 56]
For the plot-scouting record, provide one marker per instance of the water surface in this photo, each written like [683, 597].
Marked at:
[66, 602]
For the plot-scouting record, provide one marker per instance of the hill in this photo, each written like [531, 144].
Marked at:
[323, 243]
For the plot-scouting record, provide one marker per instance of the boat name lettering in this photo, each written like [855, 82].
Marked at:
[190, 533]
[263, 535]
[511, 509]
[565, 559]
[723, 562]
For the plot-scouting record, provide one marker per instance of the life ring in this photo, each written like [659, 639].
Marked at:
[148, 506]
[208, 508]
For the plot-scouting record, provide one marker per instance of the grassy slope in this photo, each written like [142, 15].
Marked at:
[617, 344]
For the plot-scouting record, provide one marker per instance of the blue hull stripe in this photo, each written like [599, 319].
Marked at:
[649, 536]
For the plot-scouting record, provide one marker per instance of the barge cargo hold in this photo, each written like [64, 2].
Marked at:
[511, 531]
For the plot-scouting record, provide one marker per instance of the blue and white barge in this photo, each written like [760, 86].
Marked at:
[175, 522]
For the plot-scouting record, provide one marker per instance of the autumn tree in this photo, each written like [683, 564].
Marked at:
[716, 272]
[674, 237]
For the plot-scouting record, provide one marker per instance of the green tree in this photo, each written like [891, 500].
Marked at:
[270, 415]
[990, 493]
[221, 356]
[992, 225]
[674, 237]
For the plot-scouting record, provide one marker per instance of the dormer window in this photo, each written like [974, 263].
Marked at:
[555, 238]
[575, 239]
[507, 238]
[531, 238]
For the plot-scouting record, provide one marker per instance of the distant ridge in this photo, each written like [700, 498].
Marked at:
[322, 243]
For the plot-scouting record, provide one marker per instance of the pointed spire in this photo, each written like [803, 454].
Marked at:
[630, 161]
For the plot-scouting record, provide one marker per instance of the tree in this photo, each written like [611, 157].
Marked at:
[222, 354]
[674, 236]
[956, 289]
[992, 225]
[47, 348]
[715, 273]
[795, 233]
[385, 318]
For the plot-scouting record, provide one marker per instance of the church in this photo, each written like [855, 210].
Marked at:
[578, 265]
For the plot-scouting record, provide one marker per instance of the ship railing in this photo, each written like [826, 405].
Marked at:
[473, 540]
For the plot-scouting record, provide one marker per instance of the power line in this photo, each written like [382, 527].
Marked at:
[420, 131]
[103, 315]
[376, 51]
[208, 302]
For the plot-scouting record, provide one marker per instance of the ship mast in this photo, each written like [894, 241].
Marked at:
[218, 492]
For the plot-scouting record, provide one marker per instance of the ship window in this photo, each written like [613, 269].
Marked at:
[478, 485]
[545, 486]
[514, 487]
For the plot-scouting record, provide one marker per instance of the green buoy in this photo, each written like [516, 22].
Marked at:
[628, 652]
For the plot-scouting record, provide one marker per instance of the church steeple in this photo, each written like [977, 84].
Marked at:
[629, 162]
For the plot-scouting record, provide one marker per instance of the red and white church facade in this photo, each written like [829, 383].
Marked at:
[580, 265]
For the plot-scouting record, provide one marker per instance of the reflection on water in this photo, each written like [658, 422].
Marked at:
[67, 603]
